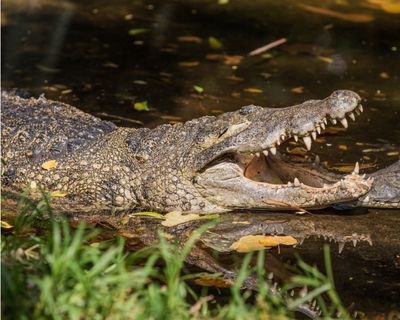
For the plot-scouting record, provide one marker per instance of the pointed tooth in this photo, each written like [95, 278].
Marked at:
[314, 135]
[292, 293]
[344, 123]
[360, 107]
[314, 303]
[318, 129]
[296, 182]
[357, 112]
[354, 242]
[324, 120]
[296, 138]
[257, 154]
[352, 116]
[356, 168]
[323, 125]
[283, 137]
[317, 159]
[270, 275]
[363, 176]
[307, 142]
[341, 246]
[303, 291]
[265, 153]
[289, 184]
[334, 121]
[273, 150]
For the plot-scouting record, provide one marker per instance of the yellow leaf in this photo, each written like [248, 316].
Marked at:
[260, 242]
[297, 90]
[384, 75]
[325, 59]
[6, 225]
[58, 194]
[48, 165]
[148, 213]
[189, 38]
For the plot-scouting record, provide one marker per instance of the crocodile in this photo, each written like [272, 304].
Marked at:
[211, 164]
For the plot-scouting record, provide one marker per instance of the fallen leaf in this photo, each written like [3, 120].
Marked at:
[147, 213]
[342, 147]
[135, 32]
[297, 90]
[48, 165]
[198, 89]
[217, 282]
[352, 17]
[174, 218]
[215, 43]
[141, 106]
[188, 64]
[111, 65]
[6, 225]
[260, 242]
[390, 6]
[189, 38]
[233, 60]
[58, 194]
[384, 75]
[325, 59]
[194, 310]
[253, 90]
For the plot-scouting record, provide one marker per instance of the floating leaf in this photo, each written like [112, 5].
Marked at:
[47, 69]
[260, 242]
[325, 59]
[384, 75]
[342, 147]
[253, 90]
[297, 90]
[111, 65]
[192, 39]
[141, 106]
[48, 165]
[215, 43]
[135, 32]
[217, 282]
[198, 89]
[188, 64]
[174, 218]
[390, 6]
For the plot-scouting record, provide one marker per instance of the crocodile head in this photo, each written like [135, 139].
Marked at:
[231, 162]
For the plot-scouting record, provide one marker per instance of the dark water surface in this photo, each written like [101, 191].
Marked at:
[103, 56]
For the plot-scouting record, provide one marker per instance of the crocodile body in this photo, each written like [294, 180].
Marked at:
[204, 165]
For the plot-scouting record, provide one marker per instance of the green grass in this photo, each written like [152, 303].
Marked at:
[57, 272]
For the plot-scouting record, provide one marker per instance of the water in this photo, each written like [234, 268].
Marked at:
[81, 52]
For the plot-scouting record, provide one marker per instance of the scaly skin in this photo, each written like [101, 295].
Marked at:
[184, 167]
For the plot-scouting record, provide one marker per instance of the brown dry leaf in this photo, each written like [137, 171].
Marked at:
[189, 38]
[342, 147]
[352, 17]
[297, 90]
[217, 282]
[174, 218]
[58, 194]
[297, 151]
[260, 242]
[253, 90]
[188, 64]
[325, 59]
[48, 165]
[234, 78]
[233, 60]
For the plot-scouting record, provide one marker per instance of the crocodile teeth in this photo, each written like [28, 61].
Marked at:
[265, 153]
[283, 137]
[333, 121]
[360, 107]
[354, 242]
[296, 182]
[273, 150]
[296, 138]
[303, 291]
[323, 125]
[344, 123]
[356, 169]
[314, 135]
[270, 275]
[325, 121]
[317, 159]
[307, 142]
[352, 116]
[341, 247]
[318, 130]
[257, 154]
[292, 293]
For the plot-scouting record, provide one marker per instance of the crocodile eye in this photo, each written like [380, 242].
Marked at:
[248, 109]
[234, 129]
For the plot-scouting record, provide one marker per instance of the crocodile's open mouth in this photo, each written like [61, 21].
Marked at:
[266, 179]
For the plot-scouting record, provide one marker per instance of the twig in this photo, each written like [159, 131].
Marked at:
[267, 47]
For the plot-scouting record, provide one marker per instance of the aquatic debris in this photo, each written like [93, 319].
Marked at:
[147, 213]
[141, 106]
[297, 90]
[189, 38]
[48, 165]
[226, 59]
[253, 90]
[215, 43]
[174, 218]
[198, 89]
[135, 32]
[390, 6]
[267, 47]
[259, 242]
[188, 64]
[351, 17]
[325, 59]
